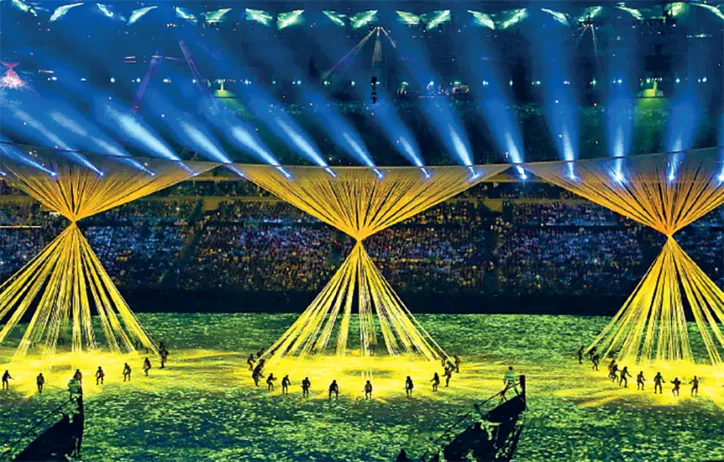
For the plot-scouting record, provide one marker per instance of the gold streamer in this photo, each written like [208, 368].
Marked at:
[65, 281]
[362, 202]
[665, 192]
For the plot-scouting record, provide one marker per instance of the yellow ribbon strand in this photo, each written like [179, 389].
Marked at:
[666, 192]
[66, 283]
[362, 202]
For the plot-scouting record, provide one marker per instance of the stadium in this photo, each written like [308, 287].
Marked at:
[346, 230]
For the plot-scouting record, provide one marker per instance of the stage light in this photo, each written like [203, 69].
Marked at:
[590, 13]
[337, 18]
[139, 13]
[22, 6]
[183, 13]
[215, 16]
[138, 80]
[291, 18]
[436, 18]
[113, 80]
[62, 10]
[678, 80]
[105, 10]
[560, 17]
[260, 16]
[515, 17]
[482, 19]
[632, 11]
[408, 19]
[362, 19]
[353, 83]
[711, 8]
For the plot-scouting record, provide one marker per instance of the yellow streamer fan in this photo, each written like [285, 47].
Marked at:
[361, 202]
[65, 283]
[666, 192]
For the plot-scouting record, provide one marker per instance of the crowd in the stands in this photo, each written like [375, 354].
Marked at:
[490, 242]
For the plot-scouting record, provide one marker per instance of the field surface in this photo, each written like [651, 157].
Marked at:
[204, 405]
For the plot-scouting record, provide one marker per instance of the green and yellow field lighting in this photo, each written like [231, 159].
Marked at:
[363, 18]
[337, 18]
[260, 16]
[216, 15]
[558, 16]
[514, 17]
[290, 18]
[436, 18]
[408, 19]
[482, 19]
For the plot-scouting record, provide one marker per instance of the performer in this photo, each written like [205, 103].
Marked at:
[435, 381]
[100, 375]
[368, 390]
[658, 380]
[285, 384]
[306, 384]
[6, 380]
[625, 374]
[126, 372]
[408, 387]
[694, 387]
[146, 366]
[640, 381]
[40, 381]
[334, 388]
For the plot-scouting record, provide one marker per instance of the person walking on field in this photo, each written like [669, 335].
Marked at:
[640, 381]
[408, 387]
[694, 387]
[676, 383]
[658, 380]
[435, 381]
[285, 384]
[6, 380]
[100, 375]
[448, 375]
[333, 388]
[579, 353]
[306, 384]
[368, 390]
[270, 382]
[458, 362]
[126, 372]
[146, 366]
[625, 374]
[40, 381]
[250, 361]
[595, 359]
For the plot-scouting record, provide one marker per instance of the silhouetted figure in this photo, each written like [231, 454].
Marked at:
[613, 371]
[592, 352]
[676, 383]
[408, 386]
[126, 372]
[270, 382]
[334, 388]
[640, 380]
[78, 376]
[435, 381]
[164, 357]
[402, 456]
[579, 353]
[595, 360]
[250, 361]
[285, 384]
[40, 381]
[658, 380]
[510, 381]
[448, 375]
[694, 387]
[6, 380]
[257, 374]
[146, 366]
[100, 375]
[306, 384]
[259, 353]
[458, 362]
[368, 390]
[625, 374]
